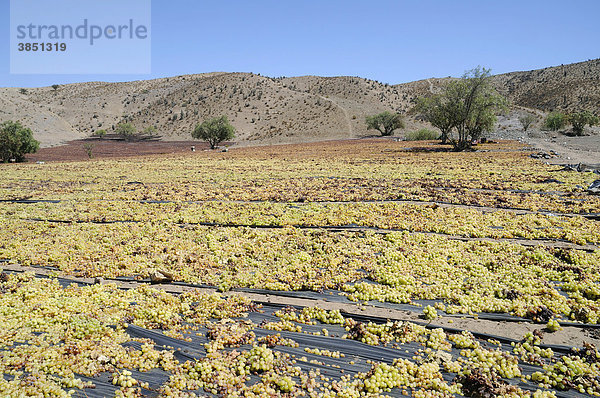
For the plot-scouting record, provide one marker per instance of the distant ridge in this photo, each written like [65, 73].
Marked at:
[268, 110]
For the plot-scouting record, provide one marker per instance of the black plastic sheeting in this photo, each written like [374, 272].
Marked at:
[337, 296]
[355, 351]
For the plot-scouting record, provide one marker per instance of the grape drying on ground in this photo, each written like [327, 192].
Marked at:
[442, 233]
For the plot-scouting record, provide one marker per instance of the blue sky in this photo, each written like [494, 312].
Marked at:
[389, 41]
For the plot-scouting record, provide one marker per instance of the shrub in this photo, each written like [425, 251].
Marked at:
[527, 120]
[555, 121]
[422, 135]
[214, 131]
[100, 133]
[580, 119]
[89, 148]
[16, 141]
[150, 130]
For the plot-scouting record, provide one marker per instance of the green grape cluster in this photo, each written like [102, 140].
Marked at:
[553, 325]
[260, 358]
[124, 379]
[430, 313]
[489, 361]
[529, 350]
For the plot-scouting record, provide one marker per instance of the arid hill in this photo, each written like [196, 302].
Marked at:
[568, 88]
[267, 110]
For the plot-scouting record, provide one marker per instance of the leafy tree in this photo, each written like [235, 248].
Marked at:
[385, 122]
[467, 105]
[555, 121]
[474, 102]
[126, 130]
[23, 91]
[527, 120]
[580, 119]
[55, 87]
[16, 141]
[438, 111]
[214, 131]
[150, 130]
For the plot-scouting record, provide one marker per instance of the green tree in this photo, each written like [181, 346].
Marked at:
[475, 103]
[16, 141]
[555, 121]
[126, 130]
[438, 111]
[467, 105]
[55, 87]
[527, 120]
[214, 131]
[580, 119]
[150, 130]
[385, 122]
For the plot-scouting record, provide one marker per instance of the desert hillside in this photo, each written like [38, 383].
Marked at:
[267, 110]
[567, 87]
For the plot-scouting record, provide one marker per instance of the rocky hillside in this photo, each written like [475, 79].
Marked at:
[569, 88]
[267, 110]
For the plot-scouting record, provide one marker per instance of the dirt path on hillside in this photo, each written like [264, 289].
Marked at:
[346, 114]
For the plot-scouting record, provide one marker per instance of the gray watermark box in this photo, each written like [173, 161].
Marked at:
[80, 37]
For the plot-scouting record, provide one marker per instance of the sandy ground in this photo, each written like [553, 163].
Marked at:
[570, 150]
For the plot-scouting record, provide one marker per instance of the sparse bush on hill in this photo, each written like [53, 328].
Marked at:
[385, 122]
[55, 87]
[555, 121]
[527, 120]
[422, 135]
[150, 130]
[16, 141]
[100, 133]
[214, 131]
[580, 119]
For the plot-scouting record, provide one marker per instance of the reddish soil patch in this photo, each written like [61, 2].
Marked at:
[74, 150]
